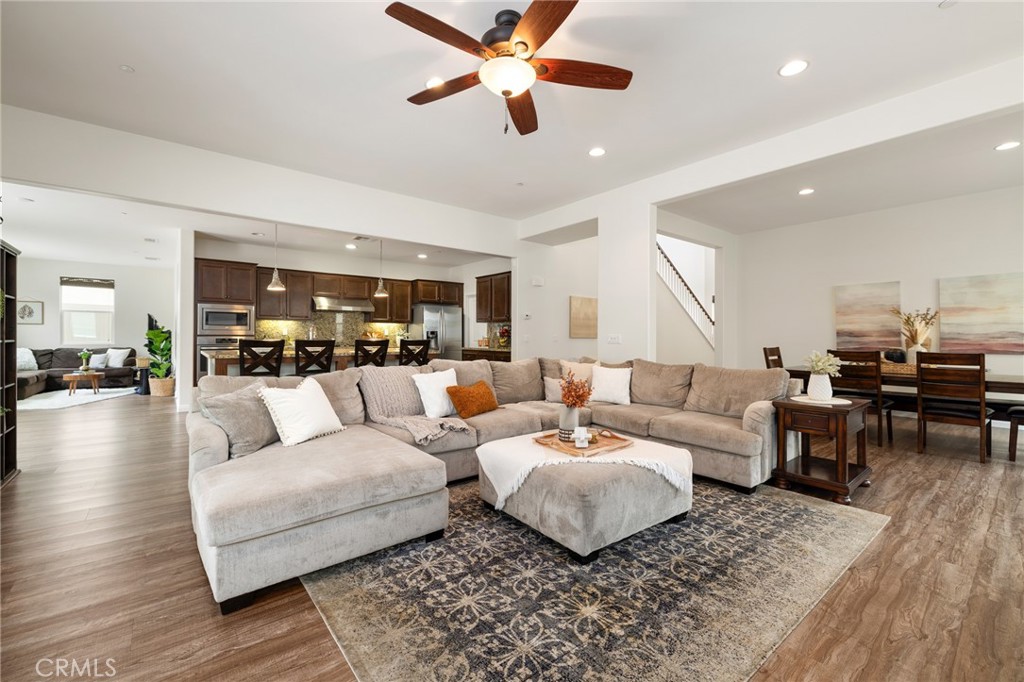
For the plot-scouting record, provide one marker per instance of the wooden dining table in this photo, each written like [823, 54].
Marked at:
[1000, 389]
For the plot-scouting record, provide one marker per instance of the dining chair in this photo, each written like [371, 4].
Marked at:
[951, 390]
[371, 352]
[772, 357]
[1016, 414]
[413, 352]
[260, 357]
[860, 376]
[315, 356]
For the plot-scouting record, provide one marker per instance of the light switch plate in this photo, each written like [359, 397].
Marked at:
[615, 338]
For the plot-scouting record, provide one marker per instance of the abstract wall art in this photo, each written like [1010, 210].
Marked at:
[982, 314]
[863, 320]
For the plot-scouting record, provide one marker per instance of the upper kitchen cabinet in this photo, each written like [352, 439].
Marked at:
[397, 306]
[341, 286]
[431, 291]
[294, 303]
[494, 298]
[219, 281]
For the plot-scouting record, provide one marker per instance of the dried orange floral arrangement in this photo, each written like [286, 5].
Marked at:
[575, 392]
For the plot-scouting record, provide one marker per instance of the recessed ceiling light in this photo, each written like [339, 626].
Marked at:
[434, 82]
[793, 68]
[31, 201]
[596, 151]
[520, 184]
[351, 247]
[259, 234]
[127, 68]
[421, 255]
[805, 191]
[1006, 146]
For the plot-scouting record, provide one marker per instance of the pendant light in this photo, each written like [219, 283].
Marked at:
[275, 282]
[381, 291]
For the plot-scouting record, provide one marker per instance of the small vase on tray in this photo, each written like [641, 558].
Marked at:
[568, 420]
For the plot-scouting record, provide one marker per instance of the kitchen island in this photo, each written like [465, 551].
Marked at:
[222, 362]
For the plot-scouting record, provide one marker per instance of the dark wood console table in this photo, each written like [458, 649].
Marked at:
[839, 476]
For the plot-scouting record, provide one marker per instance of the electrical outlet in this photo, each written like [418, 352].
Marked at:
[615, 338]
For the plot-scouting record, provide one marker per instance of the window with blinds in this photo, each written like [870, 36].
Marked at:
[86, 311]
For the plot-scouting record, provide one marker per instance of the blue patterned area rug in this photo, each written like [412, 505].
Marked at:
[706, 599]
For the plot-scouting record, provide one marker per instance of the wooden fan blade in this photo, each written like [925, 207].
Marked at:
[435, 28]
[542, 18]
[583, 74]
[447, 88]
[524, 114]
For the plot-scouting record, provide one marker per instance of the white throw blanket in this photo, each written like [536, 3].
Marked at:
[508, 470]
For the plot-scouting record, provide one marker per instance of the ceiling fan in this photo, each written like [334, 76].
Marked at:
[508, 50]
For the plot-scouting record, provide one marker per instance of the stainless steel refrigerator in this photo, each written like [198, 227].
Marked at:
[442, 324]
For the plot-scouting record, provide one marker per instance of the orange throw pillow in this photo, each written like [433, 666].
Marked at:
[472, 400]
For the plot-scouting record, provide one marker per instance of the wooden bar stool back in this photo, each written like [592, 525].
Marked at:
[371, 352]
[315, 356]
[413, 352]
[951, 390]
[861, 373]
[260, 358]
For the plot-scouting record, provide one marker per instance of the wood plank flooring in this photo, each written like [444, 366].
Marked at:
[99, 561]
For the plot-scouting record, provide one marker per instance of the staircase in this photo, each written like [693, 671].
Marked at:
[687, 299]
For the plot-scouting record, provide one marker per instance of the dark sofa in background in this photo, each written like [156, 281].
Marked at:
[55, 363]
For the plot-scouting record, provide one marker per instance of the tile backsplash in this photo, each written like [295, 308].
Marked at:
[345, 328]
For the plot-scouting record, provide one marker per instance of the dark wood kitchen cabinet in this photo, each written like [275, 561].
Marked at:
[432, 291]
[220, 281]
[397, 307]
[494, 298]
[294, 303]
[341, 286]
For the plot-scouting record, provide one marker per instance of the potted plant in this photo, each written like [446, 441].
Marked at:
[916, 327]
[575, 394]
[819, 387]
[158, 343]
[85, 355]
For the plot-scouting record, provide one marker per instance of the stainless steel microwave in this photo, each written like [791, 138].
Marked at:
[219, 319]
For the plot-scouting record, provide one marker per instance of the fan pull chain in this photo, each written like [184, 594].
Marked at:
[506, 115]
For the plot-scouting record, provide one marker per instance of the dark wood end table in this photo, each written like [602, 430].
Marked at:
[840, 477]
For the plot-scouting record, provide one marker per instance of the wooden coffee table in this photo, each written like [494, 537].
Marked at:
[74, 377]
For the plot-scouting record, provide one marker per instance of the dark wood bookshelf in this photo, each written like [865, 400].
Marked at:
[9, 364]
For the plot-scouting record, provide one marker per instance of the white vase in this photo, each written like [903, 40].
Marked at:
[912, 353]
[568, 420]
[819, 388]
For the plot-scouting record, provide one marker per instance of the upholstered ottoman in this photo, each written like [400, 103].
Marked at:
[585, 504]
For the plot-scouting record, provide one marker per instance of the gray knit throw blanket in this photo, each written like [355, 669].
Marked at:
[392, 399]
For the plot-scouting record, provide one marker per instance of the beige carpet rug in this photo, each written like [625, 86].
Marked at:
[706, 599]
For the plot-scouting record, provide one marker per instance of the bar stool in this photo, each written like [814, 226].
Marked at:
[413, 352]
[371, 352]
[313, 357]
[260, 358]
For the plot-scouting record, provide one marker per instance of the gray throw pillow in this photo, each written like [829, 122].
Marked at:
[342, 390]
[517, 382]
[655, 383]
[244, 418]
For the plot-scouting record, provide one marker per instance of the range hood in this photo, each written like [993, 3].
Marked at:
[332, 304]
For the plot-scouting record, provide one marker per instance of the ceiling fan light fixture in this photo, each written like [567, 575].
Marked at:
[434, 82]
[507, 76]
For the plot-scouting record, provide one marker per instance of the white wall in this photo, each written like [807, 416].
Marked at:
[788, 273]
[680, 342]
[315, 261]
[137, 291]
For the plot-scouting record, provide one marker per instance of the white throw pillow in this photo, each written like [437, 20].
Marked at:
[301, 413]
[434, 394]
[580, 370]
[611, 385]
[26, 360]
[552, 390]
[98, 361]
[117, 356]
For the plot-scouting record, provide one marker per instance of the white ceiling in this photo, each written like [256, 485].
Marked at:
[321, 87]
[61, 225]
[934, 164]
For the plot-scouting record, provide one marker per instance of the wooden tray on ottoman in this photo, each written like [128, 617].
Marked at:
[604, 444]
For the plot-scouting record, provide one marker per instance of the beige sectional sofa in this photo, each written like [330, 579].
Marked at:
[275, 514]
